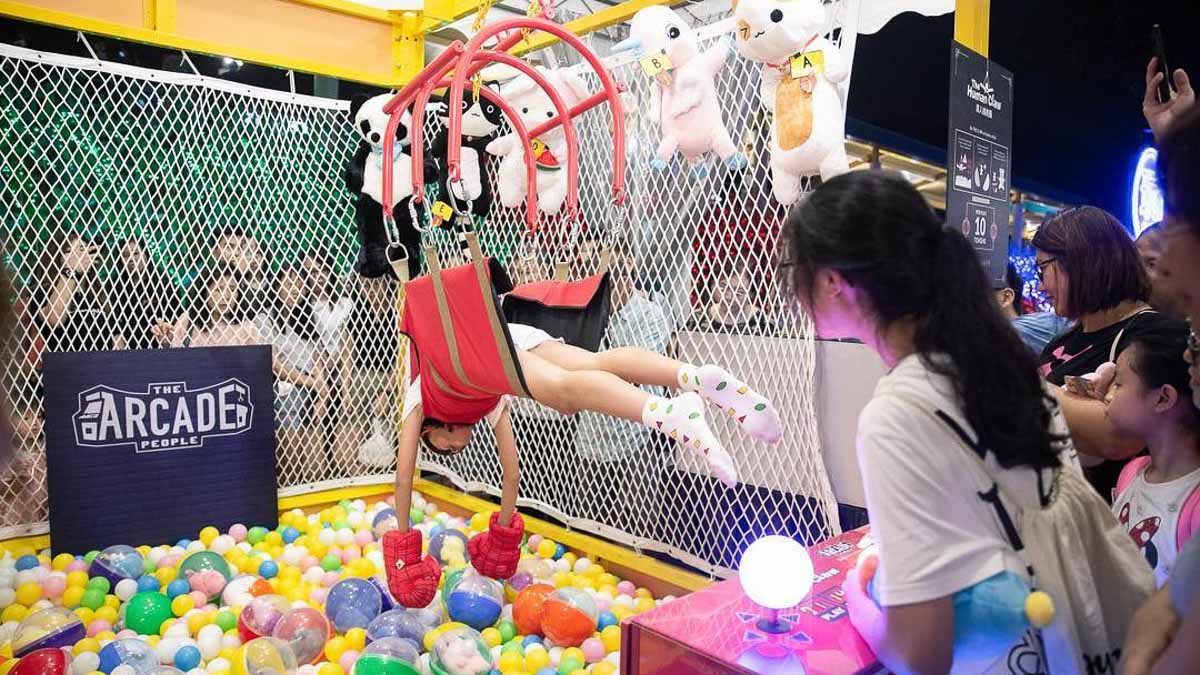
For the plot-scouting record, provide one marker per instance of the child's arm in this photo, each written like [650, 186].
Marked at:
[406, 466]
[506, 447]
[412, 577]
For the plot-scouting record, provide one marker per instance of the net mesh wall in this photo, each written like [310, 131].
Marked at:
[684, 243]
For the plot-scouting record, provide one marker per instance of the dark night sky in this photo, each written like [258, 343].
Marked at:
[1078, 64]
[1079, 68]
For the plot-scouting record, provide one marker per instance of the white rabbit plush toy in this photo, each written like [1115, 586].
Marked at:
[799, 76]
[550, 150]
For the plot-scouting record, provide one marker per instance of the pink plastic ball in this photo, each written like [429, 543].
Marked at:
[199, 598]
[238, 532]
[53, 587]
[98, 626]
[626, 588]
[364, 537]
[593, 650]
[533, 542]
[347, 660]
[126, 634]
[169, 561]
[77, 566]
[351, 554]
[318, 595]
[330, 579]
[603, 604]
[309, 561]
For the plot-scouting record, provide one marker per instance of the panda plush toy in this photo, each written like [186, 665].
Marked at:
[480, 120]
[364, 179]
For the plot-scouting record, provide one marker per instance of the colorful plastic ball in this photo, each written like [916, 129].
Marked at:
[528, 608]
[269, 569]
[610, 636]
[546, 549]
[259, 617]
[473, 599]
[411, 624]
[146, 612]
[305, 630]
[177, 588]
[265, 656]
[226, 620]
[206, 571]
[606, 619]
[29, 593]
[116, 563]
[593, 650]
[53, 627]
[182, 605]
[26, 562]
[43, 662]
[132, 652]
[389, 656]
[569, 616]
[289, 535]
[460, 651]
[449, 546]
[93, 599]
[54, 586]
[604, 668]
[238, 532]
[331, 563]
[148, 583]
[243, 589]
[530, 640]
[256, 534]
[353, 603]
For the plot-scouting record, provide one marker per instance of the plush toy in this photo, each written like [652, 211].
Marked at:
[684, 104]
[480, 120]
[800, 70]
[364, 178]
[989, 617]
[534, 107]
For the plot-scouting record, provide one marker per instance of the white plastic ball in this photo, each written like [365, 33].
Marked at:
[166, 650]
[178, 631]
[208, 641]
[124, 669]
[555, 654]
[506, 613]
[313, 574]
[376, 558]
[7, 630]
[624, 600]
[291, 556]
[8, 562]
[222, 544]
[245, 547]
[40, 605]
[8, 579]
[614, 657]
[176, 550]
[7, 597]
[344, 537]
[355, 519]
[667, 598]
[326, 537]
[195, 546]
[126, 589]
[561, 565]
[581, 565]
[197, 671]
[28, 576]
[231, 641]
[156, 554]
[358, 505]
[86, 662]
[423, 664]
[219, 664]
[298, 513]
[496, 654]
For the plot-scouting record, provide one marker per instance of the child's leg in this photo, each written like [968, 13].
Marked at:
[750, 409]
[681, 418]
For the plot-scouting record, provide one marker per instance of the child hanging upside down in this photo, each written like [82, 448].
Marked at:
[569, 380]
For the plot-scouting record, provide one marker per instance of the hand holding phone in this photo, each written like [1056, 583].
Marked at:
[1161, 105]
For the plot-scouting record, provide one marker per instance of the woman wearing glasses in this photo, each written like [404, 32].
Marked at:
[1091, 271]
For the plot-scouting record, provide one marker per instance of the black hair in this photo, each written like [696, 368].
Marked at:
[198, 292]
[1012, 280]
[1099, 258]
[428, 424]
[1152, 230]
[1155, 357]
[877, 231]
[1179, 168]
[298, 319]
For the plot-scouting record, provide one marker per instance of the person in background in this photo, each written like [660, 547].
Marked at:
[72, 312]
[1036, 329]
[215, 317]
[1165, 637]
[141, 296]
[1150, 245]
[368, 377]
[1157, 499]
[301, 391]
[23, 479]
[732, 306]
[1090, 270]
[235, 248]
[330, 308]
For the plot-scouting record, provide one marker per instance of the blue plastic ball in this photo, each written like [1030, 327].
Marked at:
[178, 587]
[559, 550]
[26, 562]
[530, 640]
[436, 529]
[148, 583]
[187, 658]
[183, 543]
[290, 534]
[605, 620]
[547, 671]
[268, 569]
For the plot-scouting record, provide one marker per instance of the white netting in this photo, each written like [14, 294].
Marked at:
[687, 239]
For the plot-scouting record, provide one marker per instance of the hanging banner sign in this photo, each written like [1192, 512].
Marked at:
[979, 156]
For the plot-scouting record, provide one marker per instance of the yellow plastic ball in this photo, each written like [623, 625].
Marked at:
[106, 635]
[595, 570]
[86, 645]
[273, 538]
[60, 561]
[330, 669]
[167, 623]
[208, 534]
[643, 604]
[106, 613]
[112, 602]
[182, 604]
[290, 572]
[1039, 607]
[609, 579]
[230, 654]
[14, 613]
[510, 662]
[357, 639]
[643, 593]
[166, 575]
[536, 659]
[297, 595]
[621, 612]
[491, 636]
[604, 668]
[153, 640]
[143, 549]
[197, 621]
[579, 671]
[546, 548]
[560, 579]
[77, 579]
[29, 593]
[572, 651]
[335, 648]
[570, 558]
[611, 637]
[85, 615]
[479, 521]
[72, 596]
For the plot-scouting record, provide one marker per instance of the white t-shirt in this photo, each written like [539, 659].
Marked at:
[412, 399]
[936, 536]
[1150, 513]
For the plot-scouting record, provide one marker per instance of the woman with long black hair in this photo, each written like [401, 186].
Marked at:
[960, 429]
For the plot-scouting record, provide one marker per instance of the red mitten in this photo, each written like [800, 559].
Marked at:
[495, 553]
[412, 580]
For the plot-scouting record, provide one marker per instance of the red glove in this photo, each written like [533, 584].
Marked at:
[495, 553]
[412, 580]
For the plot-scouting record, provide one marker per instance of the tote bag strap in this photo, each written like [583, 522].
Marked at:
[1112, 351]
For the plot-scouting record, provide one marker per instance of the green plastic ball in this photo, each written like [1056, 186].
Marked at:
[508, 630]
[331, 563]
[93, 599]
[416, 515]
[569, 665]
[226, 620]
[345, 504]
[513, 646]
[90, 556]
[341, 525]
[148, 566]
[145, 612]
[203, 561]
[99, 584]
[256, 534]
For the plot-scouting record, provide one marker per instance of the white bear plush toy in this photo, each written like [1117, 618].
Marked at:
[550, 150]
[799, 76]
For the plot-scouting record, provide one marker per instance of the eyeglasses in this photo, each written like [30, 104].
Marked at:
[1041, 267]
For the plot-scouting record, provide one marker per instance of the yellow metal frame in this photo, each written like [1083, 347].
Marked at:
[972, 24]
[593, 22]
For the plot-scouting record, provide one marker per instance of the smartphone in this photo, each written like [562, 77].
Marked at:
[1080, 386]
[1160, 53]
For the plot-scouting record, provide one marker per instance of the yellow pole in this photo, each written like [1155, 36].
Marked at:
[971, 24]
[408, 47]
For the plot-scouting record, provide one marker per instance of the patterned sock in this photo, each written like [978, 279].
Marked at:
[682, 418]
[749, 408]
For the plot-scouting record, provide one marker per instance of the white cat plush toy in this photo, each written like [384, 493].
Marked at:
[799, 76]
[550, 150]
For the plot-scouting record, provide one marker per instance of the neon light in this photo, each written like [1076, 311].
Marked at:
[1145, 197]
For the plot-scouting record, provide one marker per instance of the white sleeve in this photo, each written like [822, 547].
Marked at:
[412, 398]
[493, 417]
[923, 498]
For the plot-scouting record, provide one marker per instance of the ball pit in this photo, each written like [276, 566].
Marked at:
[309, 598]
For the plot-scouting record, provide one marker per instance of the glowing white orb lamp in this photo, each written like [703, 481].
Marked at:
[776, 573]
